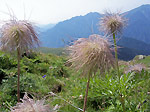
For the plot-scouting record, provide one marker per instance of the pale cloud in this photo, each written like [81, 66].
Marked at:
[52, 11]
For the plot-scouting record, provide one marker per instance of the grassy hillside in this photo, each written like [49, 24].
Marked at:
[33, 68]
[69, 85]
[56, 51]
[145, 61]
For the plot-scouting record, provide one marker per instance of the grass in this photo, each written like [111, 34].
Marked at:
[56, 51]
[67, 83]
[145, 61]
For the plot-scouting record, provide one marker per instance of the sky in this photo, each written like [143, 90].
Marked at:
[53, 11]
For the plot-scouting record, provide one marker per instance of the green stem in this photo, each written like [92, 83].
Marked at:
[87, 88]
[116, 56]
[118, 73]
[18, 67]
[122, 100]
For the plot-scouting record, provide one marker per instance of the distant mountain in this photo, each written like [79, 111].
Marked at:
[130, 47]
[133, 44]
[125, 53]
[79, 26]
[82, 26]
[135, 38]
[44, 28]
[138, 23]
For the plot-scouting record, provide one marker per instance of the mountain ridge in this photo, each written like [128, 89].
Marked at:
[83, 26]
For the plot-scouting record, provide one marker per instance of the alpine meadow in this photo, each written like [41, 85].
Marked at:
[95, 62]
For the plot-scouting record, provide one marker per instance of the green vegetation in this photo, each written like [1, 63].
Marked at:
[56, 51]
[90, 55]
[143, 61]
[69, 85]
[86, 78]
[19, 36]
[33, 68]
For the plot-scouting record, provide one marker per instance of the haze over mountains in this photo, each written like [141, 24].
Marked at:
[44, 28]
[135, 36]
[65, 31]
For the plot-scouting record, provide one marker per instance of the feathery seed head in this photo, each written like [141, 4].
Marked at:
[30, 105]
[112, 23]
[135, 68]
[18, 34]
[91, 53]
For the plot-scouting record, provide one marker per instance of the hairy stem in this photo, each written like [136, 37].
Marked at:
[87, 88]
[118, 73]
[116, 56]
[18, 67]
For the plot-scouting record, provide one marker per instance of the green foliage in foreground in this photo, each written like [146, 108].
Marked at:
[103, 92]
[33, 68]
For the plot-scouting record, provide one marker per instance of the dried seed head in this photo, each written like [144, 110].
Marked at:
[18, 34]
[30, 105]
[91, 53]
[135, 68]
[112, 23]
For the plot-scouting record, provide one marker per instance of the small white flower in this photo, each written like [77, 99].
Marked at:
[81, 97]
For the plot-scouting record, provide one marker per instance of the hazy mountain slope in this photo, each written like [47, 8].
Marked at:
[125, 53]
[130, 47]
[137, 30]
[79, 26]
[44, 28]
[133, 44]
[138, 23]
